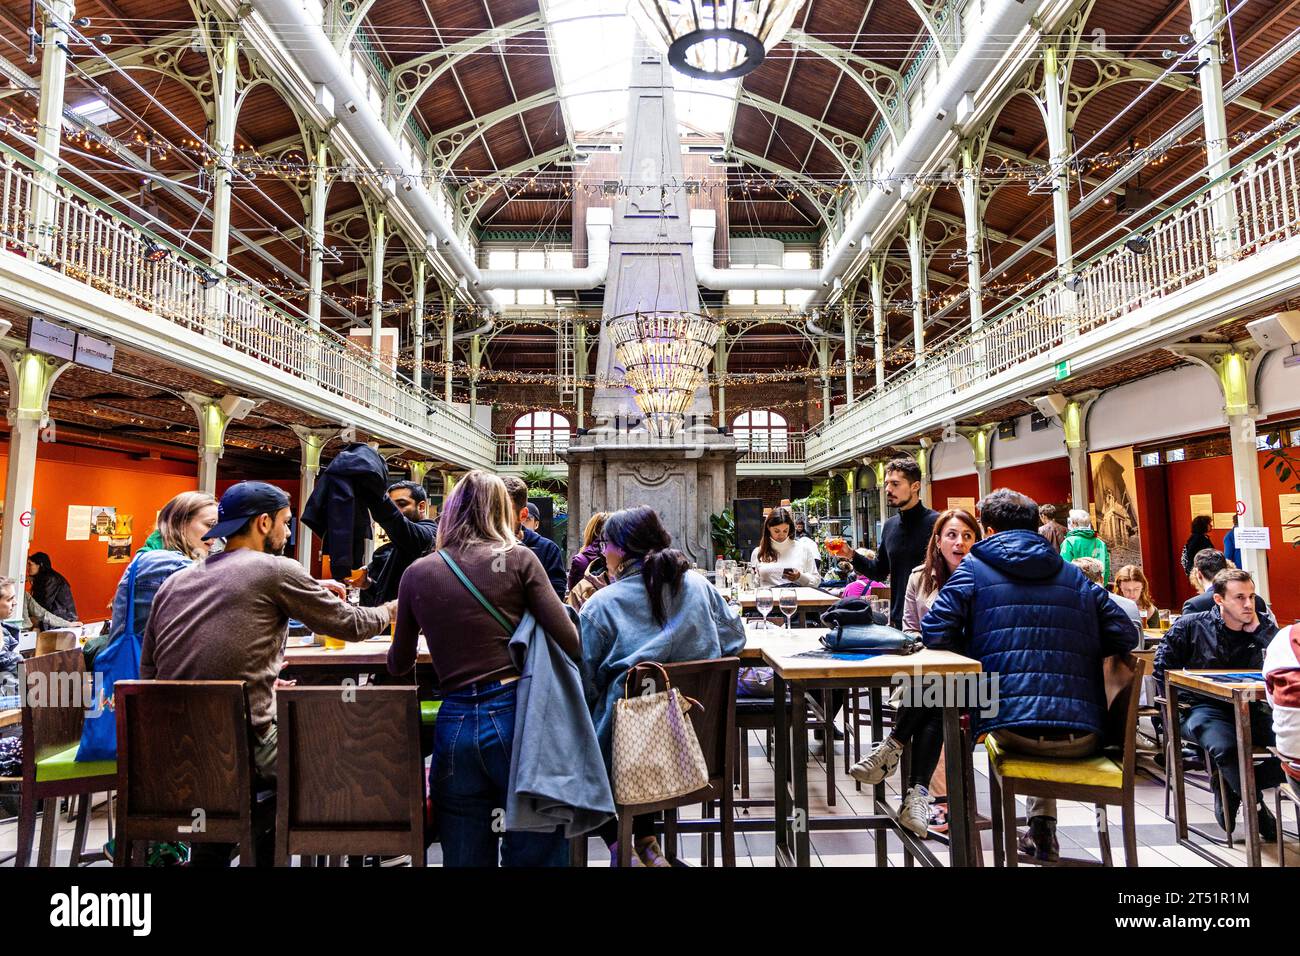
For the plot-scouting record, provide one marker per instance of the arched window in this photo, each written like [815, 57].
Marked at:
[761, 431]
[541, 431]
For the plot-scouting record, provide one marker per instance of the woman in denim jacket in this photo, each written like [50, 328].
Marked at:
[657, 610]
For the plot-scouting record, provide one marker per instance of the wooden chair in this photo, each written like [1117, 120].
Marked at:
[350, 772]
[47, 642]
[185, 767]
[713, 684]
[1284, 792]
[1099, 779]
[57, 686]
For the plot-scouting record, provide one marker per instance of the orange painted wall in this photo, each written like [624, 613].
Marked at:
[71, 475]
[1213, 476]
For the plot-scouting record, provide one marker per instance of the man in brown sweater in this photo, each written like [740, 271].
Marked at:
[227, 617]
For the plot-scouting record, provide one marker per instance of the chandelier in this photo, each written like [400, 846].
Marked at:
[714, 39]
[665, 356]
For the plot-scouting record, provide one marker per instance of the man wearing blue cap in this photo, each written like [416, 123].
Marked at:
[227, 617]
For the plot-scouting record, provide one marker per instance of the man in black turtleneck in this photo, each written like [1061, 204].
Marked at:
[904, 537]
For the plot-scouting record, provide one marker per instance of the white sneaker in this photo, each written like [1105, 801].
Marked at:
[915, 811]
[879, 764]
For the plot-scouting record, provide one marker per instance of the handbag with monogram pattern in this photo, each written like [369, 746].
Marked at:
[656, 755]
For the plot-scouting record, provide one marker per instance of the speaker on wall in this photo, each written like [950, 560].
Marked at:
[749, 524]
[546, 509]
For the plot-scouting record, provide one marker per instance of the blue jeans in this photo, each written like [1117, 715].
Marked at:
[469, 777]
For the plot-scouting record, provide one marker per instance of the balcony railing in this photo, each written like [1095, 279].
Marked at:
[90, 242]
[777, 450]
[1182, 247]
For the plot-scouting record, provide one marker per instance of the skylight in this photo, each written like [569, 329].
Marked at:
[593, 53]
[95, 111]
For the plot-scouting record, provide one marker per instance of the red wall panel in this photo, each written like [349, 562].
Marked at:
[965, 486]
[71, 475]
[1047, 482]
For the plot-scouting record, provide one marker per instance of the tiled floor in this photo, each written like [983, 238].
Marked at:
[1157, 845]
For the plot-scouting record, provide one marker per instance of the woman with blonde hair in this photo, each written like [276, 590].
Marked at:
[467, 598]
[1131, 583]
[182, 523]
[593, 539]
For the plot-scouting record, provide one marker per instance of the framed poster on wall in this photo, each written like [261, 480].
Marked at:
[1115, 502]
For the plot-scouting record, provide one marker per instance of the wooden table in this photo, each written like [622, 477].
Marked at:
[1239, 695]
[10, 717]
[1151, 636]
[794, 822]
[809, 599]
[319, 665]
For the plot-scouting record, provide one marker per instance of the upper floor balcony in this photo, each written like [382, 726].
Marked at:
[89, 265]
[1174, 276]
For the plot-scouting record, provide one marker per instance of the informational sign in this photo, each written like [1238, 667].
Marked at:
[965, 504]
[94, 353]
[1253, 538]
[1289, 506]
[44, 336]
[1223, 520]
[1241, 507]
[79, 522]
[1062, 369]
[1201, 505]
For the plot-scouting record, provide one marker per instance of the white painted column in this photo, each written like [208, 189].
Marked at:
[970, 203]
[916, 256]
[850, 350]
[1055, 78]
[720, 365]
[214, 415]
[1209, 75]
[223, 131]
[417, 323]
[31, 377]
[376, 284]
[49, 132]
[1074, 422]
[317, 196]
[878, 319]
[311, 442]
[981, 443]
[448, 343]
[580, 369]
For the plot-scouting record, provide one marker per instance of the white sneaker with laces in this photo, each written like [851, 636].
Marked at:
[879, 764]
[915, 811]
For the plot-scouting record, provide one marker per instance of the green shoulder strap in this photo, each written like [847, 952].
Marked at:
[478, 595]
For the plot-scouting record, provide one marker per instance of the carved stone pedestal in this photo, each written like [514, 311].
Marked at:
[685, 481]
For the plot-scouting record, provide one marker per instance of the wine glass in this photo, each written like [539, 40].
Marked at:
[789, 603]
[763, 601]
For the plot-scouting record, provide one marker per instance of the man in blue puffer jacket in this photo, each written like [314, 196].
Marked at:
[1039, 624]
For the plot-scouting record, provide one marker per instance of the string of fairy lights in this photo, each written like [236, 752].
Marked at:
[292, 165]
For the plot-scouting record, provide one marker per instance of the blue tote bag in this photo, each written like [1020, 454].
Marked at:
[119, 660]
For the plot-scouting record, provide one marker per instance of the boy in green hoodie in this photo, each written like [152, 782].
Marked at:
[1082, 542]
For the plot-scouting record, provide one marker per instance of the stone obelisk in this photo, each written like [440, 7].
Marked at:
[617, 464]
[650, 263]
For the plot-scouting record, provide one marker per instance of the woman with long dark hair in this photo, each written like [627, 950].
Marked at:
[656, 609]
[50, 602]
[783, 558]
[1197, 541]
[954, 533]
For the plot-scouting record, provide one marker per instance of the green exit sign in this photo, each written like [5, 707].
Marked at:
[1062, 369]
